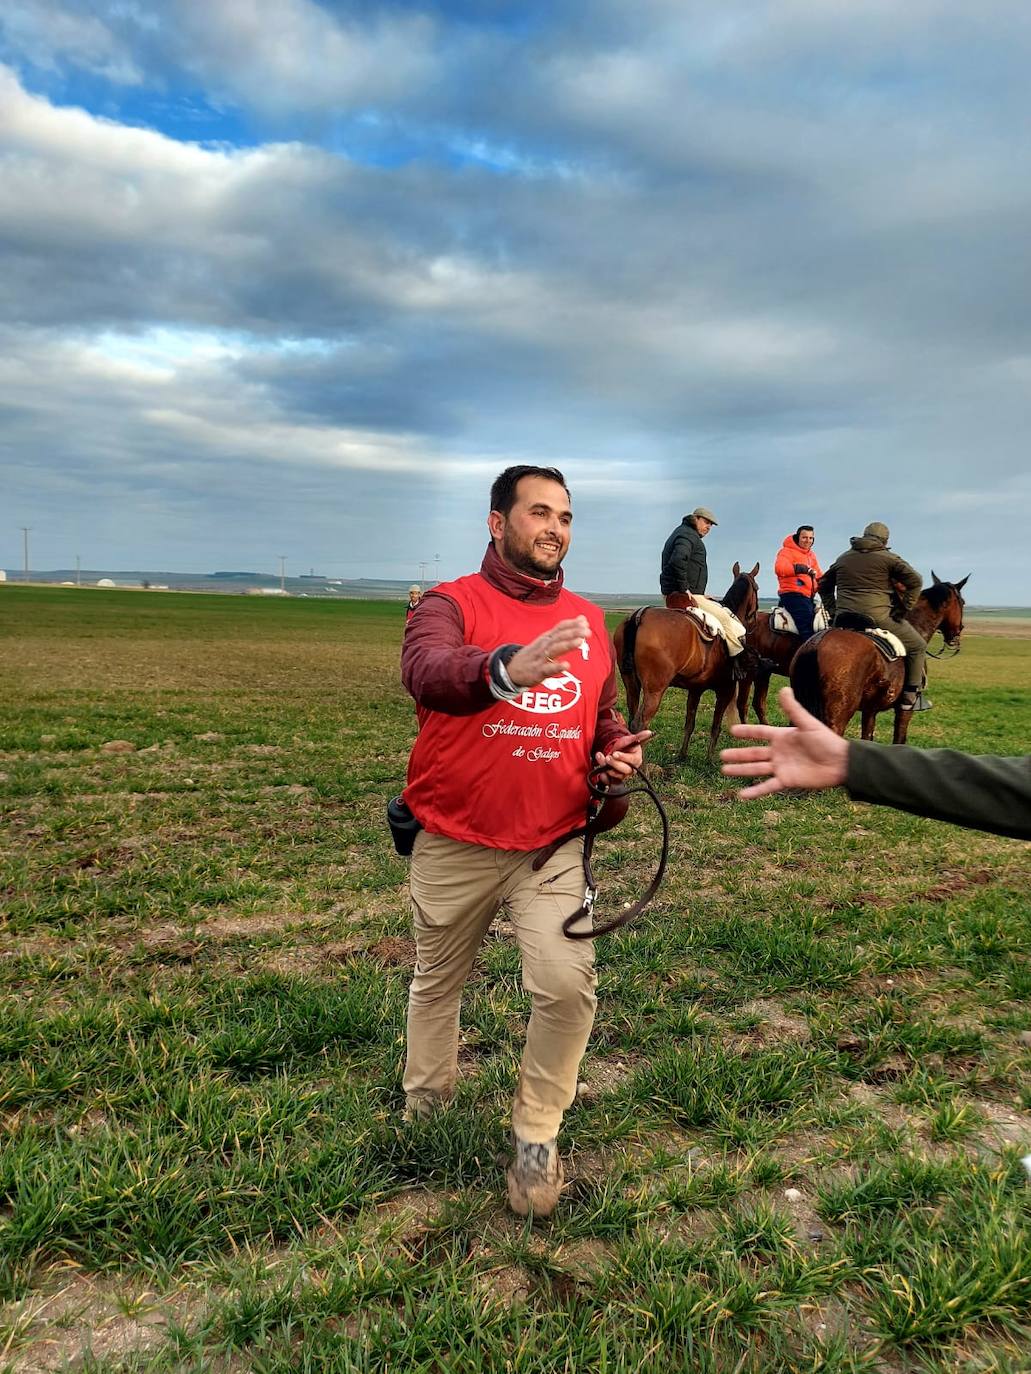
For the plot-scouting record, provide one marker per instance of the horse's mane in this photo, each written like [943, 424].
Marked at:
[739, 589]
[938, 593]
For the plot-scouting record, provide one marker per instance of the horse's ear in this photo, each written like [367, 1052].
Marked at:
[961, 585]
[755, 571]
[935, 578]
[736, 570]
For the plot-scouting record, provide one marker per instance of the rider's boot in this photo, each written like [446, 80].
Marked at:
[913, 699]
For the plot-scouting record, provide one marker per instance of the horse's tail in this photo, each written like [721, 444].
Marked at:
[805, 678]
[628, 662]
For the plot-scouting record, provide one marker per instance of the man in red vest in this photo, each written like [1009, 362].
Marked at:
[515, 689]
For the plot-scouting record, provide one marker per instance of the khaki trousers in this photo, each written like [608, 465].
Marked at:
[457, 890]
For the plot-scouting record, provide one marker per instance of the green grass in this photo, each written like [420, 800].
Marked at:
[204, 958]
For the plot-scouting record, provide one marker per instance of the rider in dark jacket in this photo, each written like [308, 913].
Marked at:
[684, 567]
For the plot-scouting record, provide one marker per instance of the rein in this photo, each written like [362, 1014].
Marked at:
[947, 650]
[602, 792]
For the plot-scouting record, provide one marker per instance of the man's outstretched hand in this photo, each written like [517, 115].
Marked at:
[543, 656]
[805, 754]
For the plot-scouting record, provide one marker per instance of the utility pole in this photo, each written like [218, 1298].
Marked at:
[282, 572]
[436, 568]
[422, 576]
[25, 529]
[78, 572]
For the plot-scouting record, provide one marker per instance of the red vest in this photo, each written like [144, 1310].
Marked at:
[512, 776]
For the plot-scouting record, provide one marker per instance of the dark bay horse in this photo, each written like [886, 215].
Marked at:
[775, 649]
[658, 648]
[839, 672]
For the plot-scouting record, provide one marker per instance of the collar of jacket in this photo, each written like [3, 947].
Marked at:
[516, 584]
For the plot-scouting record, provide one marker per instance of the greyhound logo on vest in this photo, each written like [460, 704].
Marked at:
[552, 696]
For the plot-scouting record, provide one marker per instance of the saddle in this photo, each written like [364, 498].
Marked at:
[783, 622]
[888, 645]
[709, 627]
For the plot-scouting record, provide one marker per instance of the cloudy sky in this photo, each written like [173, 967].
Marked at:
[288, 277]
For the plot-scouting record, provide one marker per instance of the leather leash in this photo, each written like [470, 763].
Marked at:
[602, 791]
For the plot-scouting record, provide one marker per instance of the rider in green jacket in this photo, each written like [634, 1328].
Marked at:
[871, 579]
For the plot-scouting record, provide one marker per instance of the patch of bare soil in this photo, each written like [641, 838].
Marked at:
[584, 1258]
[778, 1025]
[393, 952]
[226, 927]
[601, 1076]
[891, 1113]
[509, 1286]
[1005, 1125]
[809, 1228]
[89, 1316]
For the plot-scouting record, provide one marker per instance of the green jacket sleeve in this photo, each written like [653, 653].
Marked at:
[910, 579]
[827, 587]
[984, 792]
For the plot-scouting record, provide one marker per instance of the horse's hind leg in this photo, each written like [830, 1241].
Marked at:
[762, 688]
[744, 688]
[632, 687]
[901, 726]
[724, 696]
[694, 695]
[869, 724]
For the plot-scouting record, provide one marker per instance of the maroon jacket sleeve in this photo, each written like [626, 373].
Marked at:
[438, 668]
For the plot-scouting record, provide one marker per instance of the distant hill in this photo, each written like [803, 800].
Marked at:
[363, 588]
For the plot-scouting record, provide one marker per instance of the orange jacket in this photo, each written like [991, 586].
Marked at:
[788, 580]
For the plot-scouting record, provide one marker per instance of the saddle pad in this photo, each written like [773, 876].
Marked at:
[890, 645]
[783, 621]
[708, 622]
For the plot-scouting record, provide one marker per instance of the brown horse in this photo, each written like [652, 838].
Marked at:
[658, 648]
[776, 649]
[839, 672]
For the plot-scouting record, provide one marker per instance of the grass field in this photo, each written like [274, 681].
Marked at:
[806, 1096]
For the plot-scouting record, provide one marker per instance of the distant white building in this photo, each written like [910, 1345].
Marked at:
[105, 582]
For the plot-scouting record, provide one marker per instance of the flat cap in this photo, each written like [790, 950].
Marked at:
[703, 513]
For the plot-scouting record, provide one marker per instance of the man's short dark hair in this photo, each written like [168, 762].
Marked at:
[503, 492]
[798, 532]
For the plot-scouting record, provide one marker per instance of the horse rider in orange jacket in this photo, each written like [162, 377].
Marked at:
[798, 572]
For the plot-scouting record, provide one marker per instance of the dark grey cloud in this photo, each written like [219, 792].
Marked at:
[759, 255]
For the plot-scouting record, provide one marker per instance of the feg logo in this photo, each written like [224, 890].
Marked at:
[554, 694]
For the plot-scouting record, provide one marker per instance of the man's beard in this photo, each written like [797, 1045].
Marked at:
[525, 561]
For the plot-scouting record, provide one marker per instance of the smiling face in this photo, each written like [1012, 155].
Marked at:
[534, 536]
[806, 539]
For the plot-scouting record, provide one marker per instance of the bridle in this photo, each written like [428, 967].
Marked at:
[602, 791]
[949, 649]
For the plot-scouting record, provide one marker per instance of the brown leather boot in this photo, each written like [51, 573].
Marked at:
[535, 1177]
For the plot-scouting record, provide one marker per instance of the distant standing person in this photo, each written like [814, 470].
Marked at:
[515, 684]
[798, 572]
[414, 597]
[871, 579]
